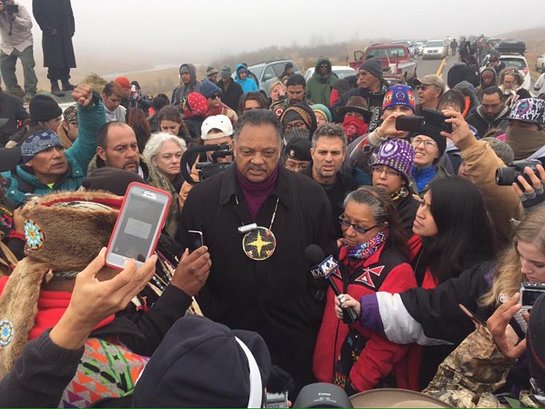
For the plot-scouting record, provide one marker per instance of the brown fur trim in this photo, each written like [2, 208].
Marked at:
[19, 305]
[72, 236]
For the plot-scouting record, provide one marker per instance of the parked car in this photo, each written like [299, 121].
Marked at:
[540, 63]
[434, 49]
[397, 63]
[342, 71]
[516, 61]
[270, 71]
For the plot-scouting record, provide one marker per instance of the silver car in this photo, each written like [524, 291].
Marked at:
[268, 72]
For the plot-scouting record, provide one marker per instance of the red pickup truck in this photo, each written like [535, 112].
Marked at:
[397, 63]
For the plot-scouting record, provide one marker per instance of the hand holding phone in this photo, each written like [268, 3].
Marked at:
[142, 216]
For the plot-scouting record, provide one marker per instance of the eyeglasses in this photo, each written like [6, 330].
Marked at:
[421, 87]
[427, 143]
[345, 223]
[215, 97]
[379, 169]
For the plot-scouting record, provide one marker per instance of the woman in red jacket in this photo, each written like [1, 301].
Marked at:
[372, 257]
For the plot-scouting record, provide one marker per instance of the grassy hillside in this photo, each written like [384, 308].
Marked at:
[164, 80]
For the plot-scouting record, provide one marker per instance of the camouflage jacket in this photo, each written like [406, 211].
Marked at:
[470, 375]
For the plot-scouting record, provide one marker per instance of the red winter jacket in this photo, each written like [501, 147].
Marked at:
[387, 270]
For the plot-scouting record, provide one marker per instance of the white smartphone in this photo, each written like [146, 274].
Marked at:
[141, 218]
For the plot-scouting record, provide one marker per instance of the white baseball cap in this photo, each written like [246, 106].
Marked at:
[221, 122]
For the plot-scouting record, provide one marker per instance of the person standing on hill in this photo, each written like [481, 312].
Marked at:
[56, 20]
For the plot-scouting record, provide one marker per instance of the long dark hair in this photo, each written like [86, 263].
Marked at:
[465, 233]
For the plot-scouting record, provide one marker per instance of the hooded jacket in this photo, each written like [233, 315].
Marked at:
[182, 91]
[479, 91]
[318, 88]
[248, 84]
[483, 124]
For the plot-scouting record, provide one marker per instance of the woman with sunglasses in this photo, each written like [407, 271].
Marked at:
[372, 257]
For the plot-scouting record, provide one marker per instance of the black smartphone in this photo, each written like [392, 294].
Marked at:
[195, 240]
[411, 123]
[436, 119]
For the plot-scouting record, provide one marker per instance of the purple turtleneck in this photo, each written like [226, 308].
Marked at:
[256, 193]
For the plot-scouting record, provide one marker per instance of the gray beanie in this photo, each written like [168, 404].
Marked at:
[373, 66]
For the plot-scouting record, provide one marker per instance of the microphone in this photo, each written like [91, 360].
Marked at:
[323, 267]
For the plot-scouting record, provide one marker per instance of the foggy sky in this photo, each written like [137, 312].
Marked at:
[200, 30]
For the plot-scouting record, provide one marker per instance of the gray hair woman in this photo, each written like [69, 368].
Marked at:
[164, 151]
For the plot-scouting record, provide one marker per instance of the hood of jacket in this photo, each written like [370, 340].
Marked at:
[238, 67]
[493, 71]
[504, 111]
[322, 60]
[192, 72]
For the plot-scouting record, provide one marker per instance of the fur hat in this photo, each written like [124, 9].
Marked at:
[64, 232]
[397, 154]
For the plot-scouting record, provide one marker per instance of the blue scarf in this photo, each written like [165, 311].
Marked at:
[423, 176]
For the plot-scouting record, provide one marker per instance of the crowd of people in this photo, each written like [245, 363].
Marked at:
[435, 227]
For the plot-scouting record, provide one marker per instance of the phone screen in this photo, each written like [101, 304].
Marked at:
[529, 297]
[138, 227]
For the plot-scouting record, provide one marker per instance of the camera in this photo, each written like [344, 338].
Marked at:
[10, 8]
[529, 293]
[208, 168]
[507, 175]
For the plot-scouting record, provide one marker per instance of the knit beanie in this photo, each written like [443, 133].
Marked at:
[211, 71]
[226, 72]
[300, 111]
[373, 66]
[298, 149]
[397, 154]
[43, 108]
[64, 233]
[201, 363]
[209, 89]
[39, 142]
[322, 109]
[399, 95]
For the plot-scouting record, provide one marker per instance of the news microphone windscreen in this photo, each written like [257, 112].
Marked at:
[314, 255]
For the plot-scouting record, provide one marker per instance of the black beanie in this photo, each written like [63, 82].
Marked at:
[373, 66]
[110, 179]
[43, 108]
[199, 363]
